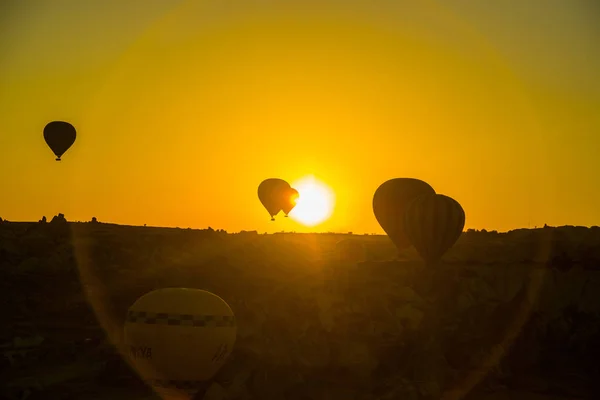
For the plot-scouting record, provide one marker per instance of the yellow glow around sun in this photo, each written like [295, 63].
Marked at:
[315, 201]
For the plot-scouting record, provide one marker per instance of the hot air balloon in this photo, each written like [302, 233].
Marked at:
[59, 136]
[179, 338]
[289, 201]
[271, 193]
[434, 223]
[389, 204]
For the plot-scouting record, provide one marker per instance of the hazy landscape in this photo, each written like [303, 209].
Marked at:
[506, 314]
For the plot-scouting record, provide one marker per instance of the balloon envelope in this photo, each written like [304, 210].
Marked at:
[271, 193]
[434, 223]
[390, 202]
[59, 136]
[178, 338]
[289, 201]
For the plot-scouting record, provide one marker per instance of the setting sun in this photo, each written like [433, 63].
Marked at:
[315, 202]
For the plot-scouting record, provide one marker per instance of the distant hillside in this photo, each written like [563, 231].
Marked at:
[560, 247]
[502, 310]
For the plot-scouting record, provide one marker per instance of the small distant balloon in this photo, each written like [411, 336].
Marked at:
[289, 201]
[59, 136]
[179, 338]
[434, 223]
[390, 202]
[271, 193]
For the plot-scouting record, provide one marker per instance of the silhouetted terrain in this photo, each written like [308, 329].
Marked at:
[506, 314]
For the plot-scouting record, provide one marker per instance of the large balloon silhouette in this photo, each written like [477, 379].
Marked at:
[389, 204]
[434, 223]
[59, 136]
[271, 193]
[289, 200]
[179, 338]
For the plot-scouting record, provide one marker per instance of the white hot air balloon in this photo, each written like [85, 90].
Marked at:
[179, 338]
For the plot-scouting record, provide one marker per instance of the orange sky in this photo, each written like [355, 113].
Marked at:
[183, 107]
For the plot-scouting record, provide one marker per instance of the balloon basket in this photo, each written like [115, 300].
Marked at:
[58, 159]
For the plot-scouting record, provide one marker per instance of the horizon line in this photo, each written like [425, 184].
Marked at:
[468, 230]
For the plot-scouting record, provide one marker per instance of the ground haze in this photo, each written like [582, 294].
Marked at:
[505, 314]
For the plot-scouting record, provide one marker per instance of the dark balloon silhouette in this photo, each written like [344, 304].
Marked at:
[389, 204]
[289, 201]
[271, 193]
[434, 223]
[59, 136]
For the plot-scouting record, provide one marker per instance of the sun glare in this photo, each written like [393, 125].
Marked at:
[315, 202]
